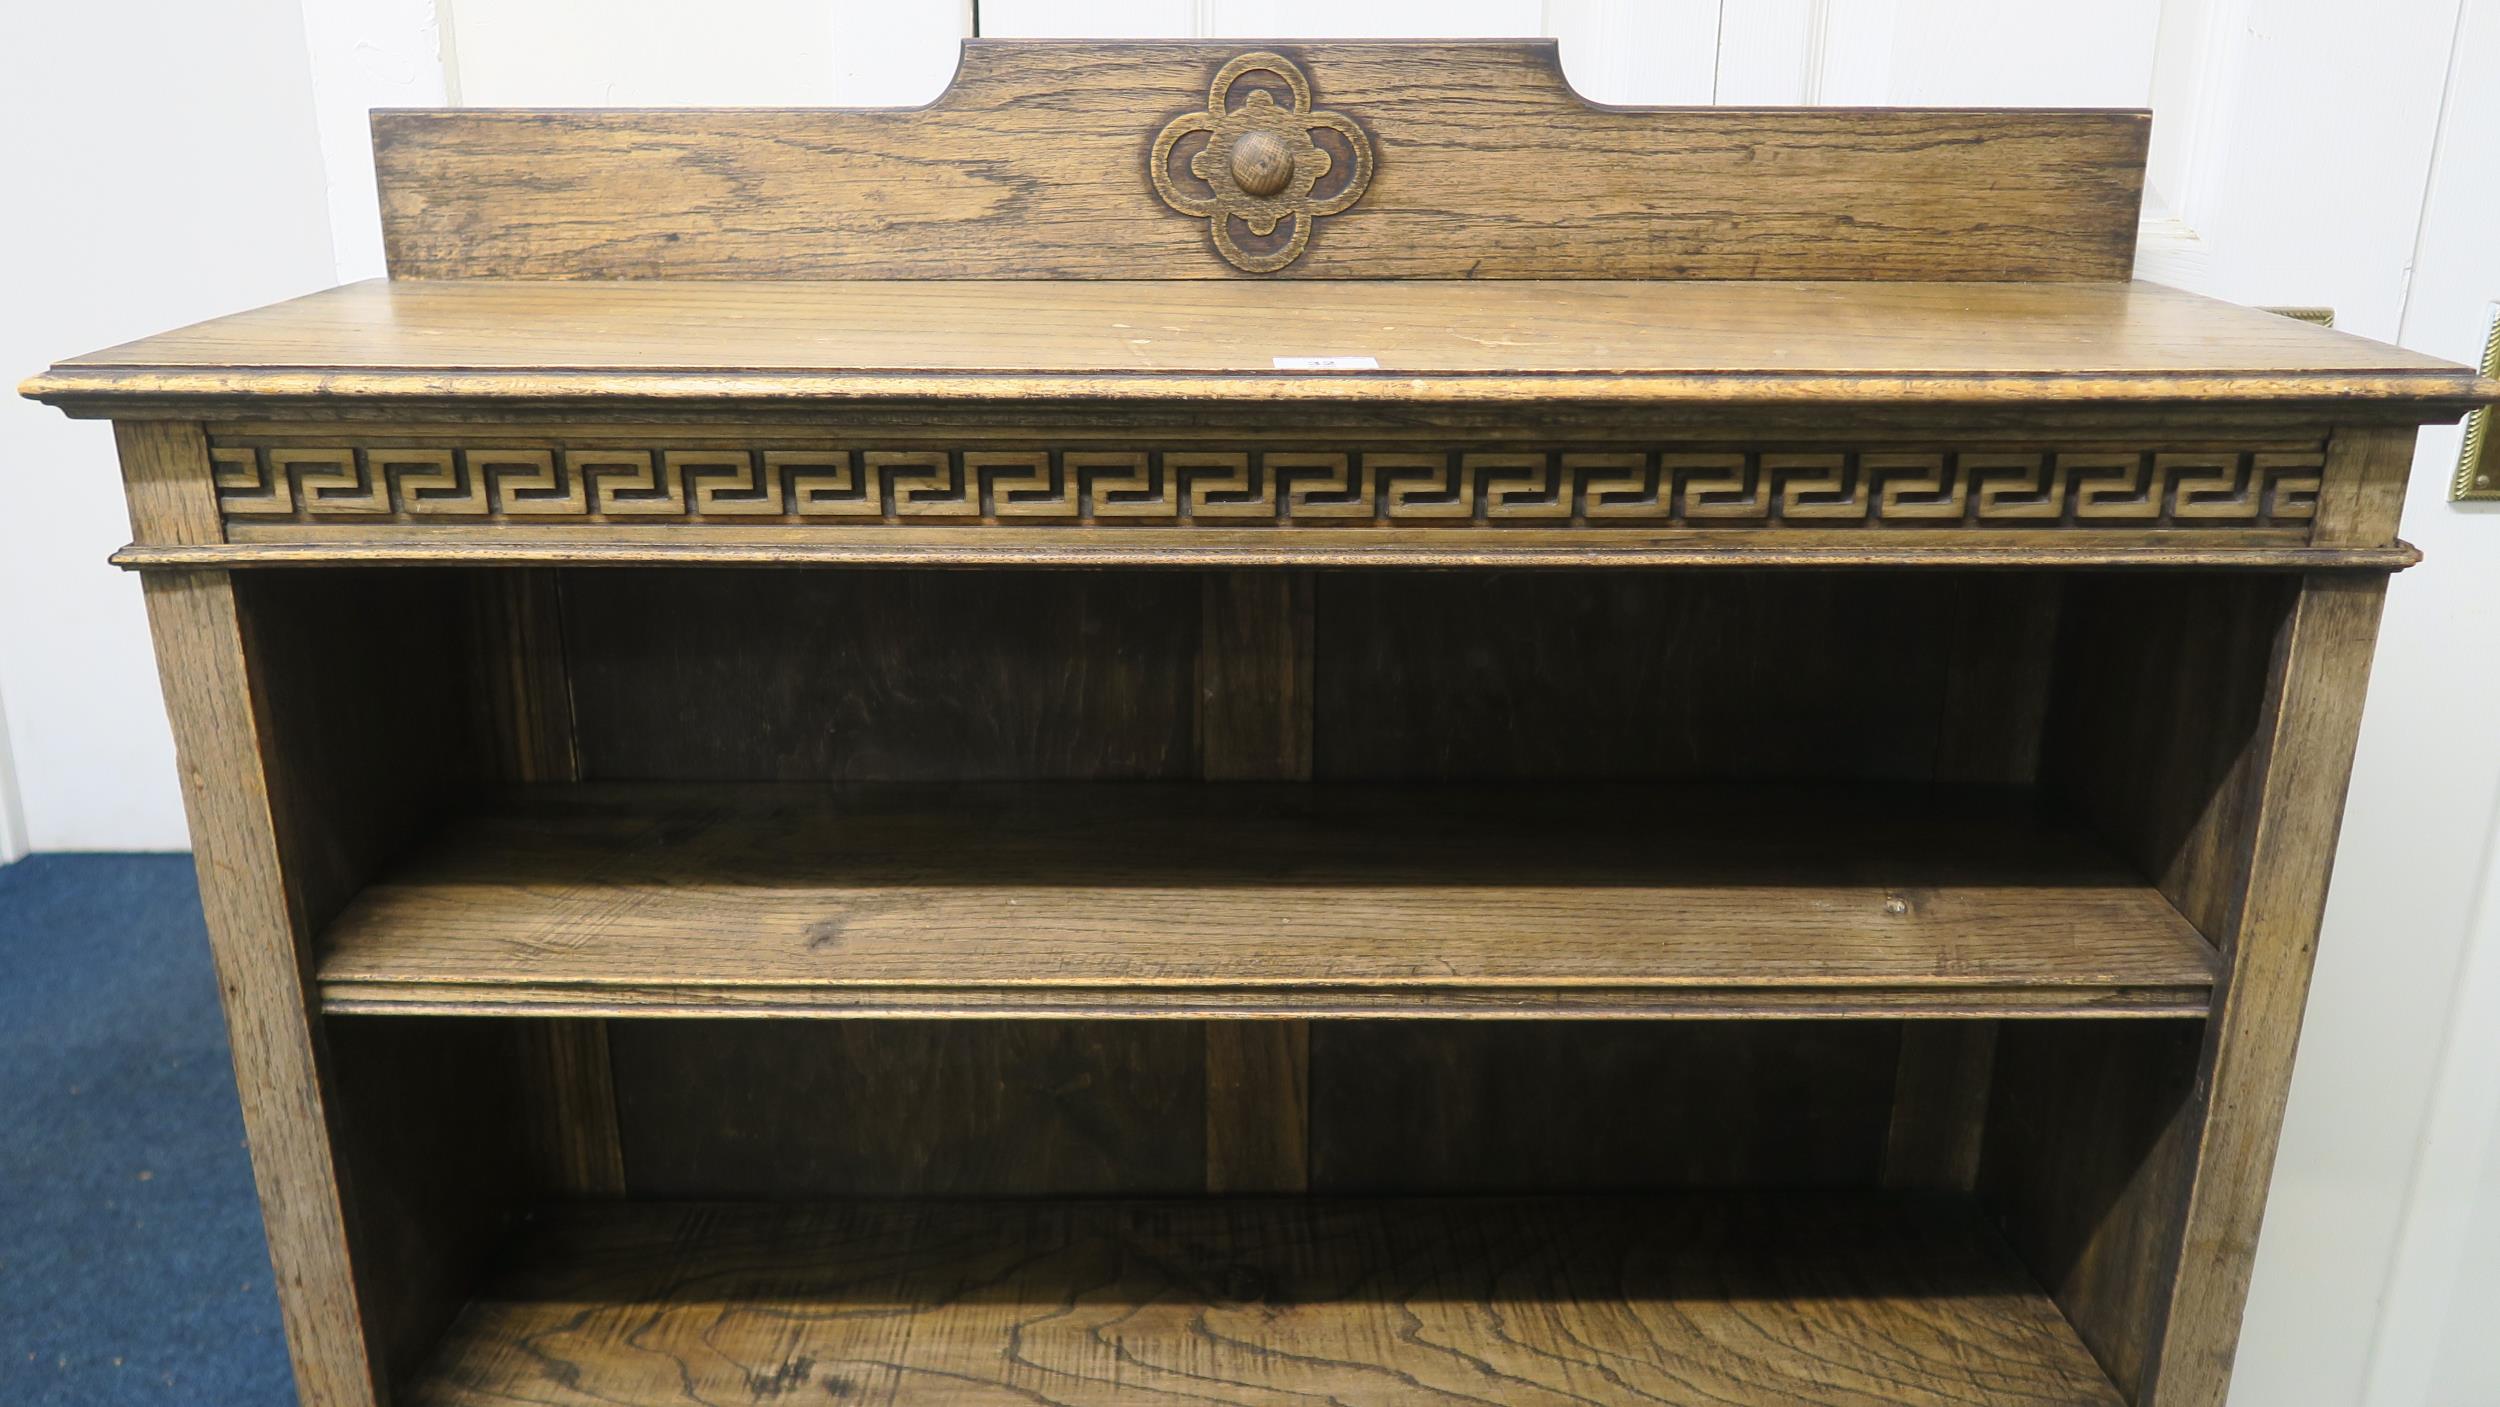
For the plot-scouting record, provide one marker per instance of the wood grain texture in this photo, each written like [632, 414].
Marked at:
[2157, 731]
[563, 1070]
[372, 739]
[1432, 1108]
[520, 681]
[429, 1117]
[1802, 1301]
[262, 959]
[2313, 719]
[1999, 675]
[258, 942]
[918, 676]
[1174, 901]
[1035, 165]
[2367, 467]
[2161, 720]
[1940, 1105]
[366, 742]
[1258, 1106]
[165, 477]
[782, 1110]
[1490, 677]
[2157, 737]
[1255, 666]
[2089, 1146]
[521, 684]
[1997, 681]
[1652, 344]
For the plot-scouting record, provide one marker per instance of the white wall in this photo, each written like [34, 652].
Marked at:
[594, 53]
[162, 168]
[365, 54]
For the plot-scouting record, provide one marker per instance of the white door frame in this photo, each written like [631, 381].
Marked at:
[13, 842]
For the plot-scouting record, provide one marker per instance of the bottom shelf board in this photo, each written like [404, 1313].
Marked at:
[1833, 1300]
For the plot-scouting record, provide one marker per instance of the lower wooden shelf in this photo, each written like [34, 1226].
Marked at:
[1113, 899]
[1828, 1300]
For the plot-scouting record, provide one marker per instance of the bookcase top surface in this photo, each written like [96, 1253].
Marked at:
[1372, 341]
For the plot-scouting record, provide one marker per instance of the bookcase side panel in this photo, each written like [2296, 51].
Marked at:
[256, 938]
[368, 702]
[2247, 1068]
[2208, 735]
[2157, 739]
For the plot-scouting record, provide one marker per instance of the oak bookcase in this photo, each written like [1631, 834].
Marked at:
[1258, 724]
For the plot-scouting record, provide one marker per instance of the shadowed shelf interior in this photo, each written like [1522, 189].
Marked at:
[1262, 725]
[1855, 1301]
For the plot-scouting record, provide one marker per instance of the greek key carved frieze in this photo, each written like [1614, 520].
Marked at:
[1804, 488]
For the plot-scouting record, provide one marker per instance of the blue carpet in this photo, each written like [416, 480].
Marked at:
[132, 1268]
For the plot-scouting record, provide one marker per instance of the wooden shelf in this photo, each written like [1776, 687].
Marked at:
[1819, 1300]
[1166, 900]
[1510, 343]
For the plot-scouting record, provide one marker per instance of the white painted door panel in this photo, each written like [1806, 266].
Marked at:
[1946, 53]
[1320, 19]
[1665, 51]
[1102, 19]
[896, 55]
[599, 53]
[1981, 53]
[2435, 1344]
[1659, 51]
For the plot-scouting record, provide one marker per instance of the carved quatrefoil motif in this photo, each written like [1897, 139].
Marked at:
[1263, 164]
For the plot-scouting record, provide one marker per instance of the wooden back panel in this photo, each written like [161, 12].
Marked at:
[1446, 676]
[933, 676]
[1443, 160]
